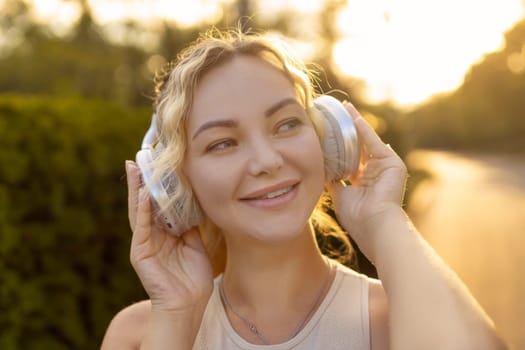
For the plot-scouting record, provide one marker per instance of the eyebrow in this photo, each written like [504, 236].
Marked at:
[281, 104]
[232, 123]
[225, 123]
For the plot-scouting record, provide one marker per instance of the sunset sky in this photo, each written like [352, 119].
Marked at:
[405, 50]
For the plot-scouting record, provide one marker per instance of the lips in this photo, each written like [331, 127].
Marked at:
[275, 195]
[273, 191]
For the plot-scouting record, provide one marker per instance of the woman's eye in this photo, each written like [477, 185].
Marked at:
[221, 145]
[288, 125]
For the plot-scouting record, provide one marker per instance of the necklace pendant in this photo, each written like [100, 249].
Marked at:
[253, 328]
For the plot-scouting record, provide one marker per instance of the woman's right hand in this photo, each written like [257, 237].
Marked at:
[175, 271]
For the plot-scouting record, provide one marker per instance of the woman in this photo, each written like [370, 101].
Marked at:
[233, 115]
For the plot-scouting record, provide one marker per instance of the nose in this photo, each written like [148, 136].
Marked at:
[264, 158]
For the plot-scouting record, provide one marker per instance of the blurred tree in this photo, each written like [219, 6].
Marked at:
[172, 40]
[15, 23]
[86, 63]
[64, 236]
[486, 112]
[83, 63]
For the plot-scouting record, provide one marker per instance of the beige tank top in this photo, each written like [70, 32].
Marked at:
[340, 322]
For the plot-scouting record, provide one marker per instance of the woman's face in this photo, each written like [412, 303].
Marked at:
[254, 160]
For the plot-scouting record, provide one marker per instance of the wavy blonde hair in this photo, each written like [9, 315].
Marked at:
[175, 87]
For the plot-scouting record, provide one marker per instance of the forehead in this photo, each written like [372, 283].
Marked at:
[244, 85]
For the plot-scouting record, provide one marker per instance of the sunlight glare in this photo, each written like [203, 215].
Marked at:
[58, 15]
[404, 50]
[185, 13]
[408, 50]
[268, 7]
[188, 13]
[516, 61]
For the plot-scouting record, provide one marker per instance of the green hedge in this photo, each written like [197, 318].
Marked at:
[64, 236]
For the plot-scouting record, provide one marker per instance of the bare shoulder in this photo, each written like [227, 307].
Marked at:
[378, 313]
[127, 328]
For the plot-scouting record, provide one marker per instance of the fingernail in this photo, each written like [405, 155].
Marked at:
[129, 164]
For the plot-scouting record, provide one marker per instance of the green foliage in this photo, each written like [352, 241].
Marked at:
[63, 219]
[84, 62]
[486, 112]
[89, 68]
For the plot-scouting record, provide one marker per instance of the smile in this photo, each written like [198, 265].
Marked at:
[276, 193]
[273, 197]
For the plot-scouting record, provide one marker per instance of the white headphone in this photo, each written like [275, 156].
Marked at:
[341, 150]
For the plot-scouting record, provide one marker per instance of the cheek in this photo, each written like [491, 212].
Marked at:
[307, 157]
[317, 168]
[311, 155]
[314, 163]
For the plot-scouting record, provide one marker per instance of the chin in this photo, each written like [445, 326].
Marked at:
[279, 230]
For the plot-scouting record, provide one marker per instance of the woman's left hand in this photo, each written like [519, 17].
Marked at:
[377, 187]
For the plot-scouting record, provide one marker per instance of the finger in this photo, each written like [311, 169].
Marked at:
[354, 113]
[142, 230]
[372, 143]
[134, 183]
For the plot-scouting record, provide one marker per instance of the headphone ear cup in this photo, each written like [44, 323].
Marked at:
[160, 191]
[341, 144]
[157, 191]
[333, 149]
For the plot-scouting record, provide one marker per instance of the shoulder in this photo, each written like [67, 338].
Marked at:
[127, 328]
[378, 313]
[376, 301]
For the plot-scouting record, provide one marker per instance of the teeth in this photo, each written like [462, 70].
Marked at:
[276, 193]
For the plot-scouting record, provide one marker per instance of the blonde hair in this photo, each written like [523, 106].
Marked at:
[175, 87]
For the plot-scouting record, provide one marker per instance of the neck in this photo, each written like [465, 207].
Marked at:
[269, 282]
[244, 246]
[254, 262]
[278, 336]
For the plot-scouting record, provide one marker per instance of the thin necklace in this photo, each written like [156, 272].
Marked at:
[253, 328]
